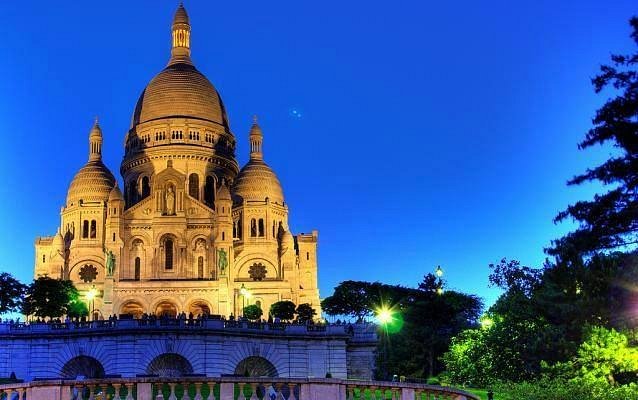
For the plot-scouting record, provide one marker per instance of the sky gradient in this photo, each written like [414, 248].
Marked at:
[410, 134]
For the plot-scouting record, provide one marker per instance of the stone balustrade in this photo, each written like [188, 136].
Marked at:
[227, 388]
[365, 332]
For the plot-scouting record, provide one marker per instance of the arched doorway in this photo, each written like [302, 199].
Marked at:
[132, 308]
[199, 307]
[82, 366]
[169, 365]
[256, 366]
[166, 308]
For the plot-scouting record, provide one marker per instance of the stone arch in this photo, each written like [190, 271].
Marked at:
[165, 306]
[136, 266]
[256, 366]
[74, 271]
[243, 273]
[169, 365]
[169, 245]
[132, 307]
[85, 366]
[199, 306]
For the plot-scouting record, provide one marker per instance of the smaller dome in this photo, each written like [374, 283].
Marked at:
[255, 182]
[58, 242]
[223, 193]
[116, 194]
[93, 182]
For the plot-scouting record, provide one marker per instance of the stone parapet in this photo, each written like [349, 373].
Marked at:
[229, 388]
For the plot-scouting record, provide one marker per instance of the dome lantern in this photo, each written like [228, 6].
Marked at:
[181, 32]
[256, 138]
[95, 142]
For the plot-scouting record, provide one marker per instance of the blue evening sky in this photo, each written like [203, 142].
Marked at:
[409, 133]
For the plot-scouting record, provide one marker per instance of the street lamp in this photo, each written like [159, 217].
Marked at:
[438, 271]
[244, 293]
[90, 296]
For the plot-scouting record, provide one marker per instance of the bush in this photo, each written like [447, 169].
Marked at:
[284, 310]
[546, 389]
[253, 312]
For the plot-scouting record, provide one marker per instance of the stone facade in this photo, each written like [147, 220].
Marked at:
[190, 231]
[173, 348]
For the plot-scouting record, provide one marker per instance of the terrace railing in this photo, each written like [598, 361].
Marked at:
[226, 388]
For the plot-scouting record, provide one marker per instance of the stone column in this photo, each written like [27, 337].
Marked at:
[144, 391]
[227, 391]
[407, 394]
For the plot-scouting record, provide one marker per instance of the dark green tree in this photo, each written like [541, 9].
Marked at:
[48, 297]
[305, 313]
[350, 298]
[253, 312]
[609, 220]
[11, 293]
[284, 310]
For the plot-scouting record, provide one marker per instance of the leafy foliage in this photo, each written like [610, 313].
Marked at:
[253, 312]
[609, 220]
[11, 293]
[48, 297]
[284, 310]
[430, 317]
[305, 312]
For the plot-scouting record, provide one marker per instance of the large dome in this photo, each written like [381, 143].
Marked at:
[93, 182]
[180, 90]
[256, 181]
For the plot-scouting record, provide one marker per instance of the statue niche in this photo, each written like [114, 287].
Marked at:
[169, 200]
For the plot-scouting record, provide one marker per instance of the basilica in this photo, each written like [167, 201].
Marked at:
[189, 231]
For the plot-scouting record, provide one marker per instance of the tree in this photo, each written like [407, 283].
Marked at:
[11, 293]
[284, 310]
[253, 312]
[305, 313]
[48, 297]
[609, 220]
[350, 298]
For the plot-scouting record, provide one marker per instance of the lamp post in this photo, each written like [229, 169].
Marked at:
[439, 274]
[244, 293]
[90, 296]
[384, 316]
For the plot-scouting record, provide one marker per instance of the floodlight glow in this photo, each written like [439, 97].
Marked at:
[384, 316]
[90, 295]
[486, 322]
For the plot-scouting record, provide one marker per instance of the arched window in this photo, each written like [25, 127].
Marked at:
[93, 229]
[131, 193]
[193, 186]
[223, 236]
[168, 251]
[200, 267]
[253, 228]
[138, 267]
[239, 227]
[146, 187]
[261, 227]
[209, 191]
[85, 229]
